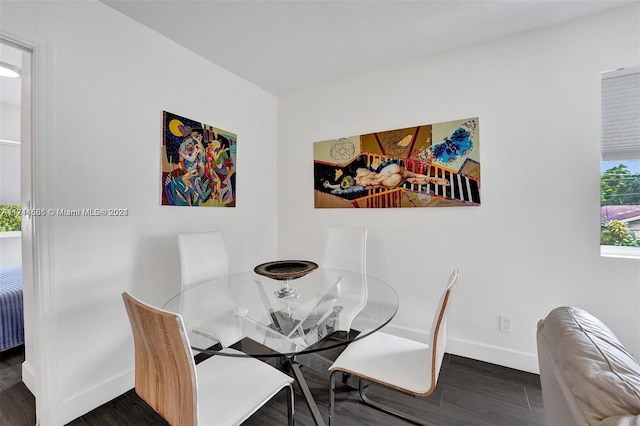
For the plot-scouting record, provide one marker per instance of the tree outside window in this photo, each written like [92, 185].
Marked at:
[620, 205]
[10, 218]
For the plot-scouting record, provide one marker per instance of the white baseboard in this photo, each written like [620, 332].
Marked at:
[506, 357]
[493, 354]
[29, 376]
[90, 398]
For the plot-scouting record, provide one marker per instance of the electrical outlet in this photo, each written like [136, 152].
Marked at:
[505, 324]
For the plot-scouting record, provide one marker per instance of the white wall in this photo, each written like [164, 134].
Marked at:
[10, 122]
[10, 247]
[110, 79]
[9, 173]
[534, 242]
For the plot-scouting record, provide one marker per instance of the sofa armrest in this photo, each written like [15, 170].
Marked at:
[589, 361]
[560, 406]
[621, 421]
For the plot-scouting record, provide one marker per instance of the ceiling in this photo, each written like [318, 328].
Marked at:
[286, 46]
[10, 87]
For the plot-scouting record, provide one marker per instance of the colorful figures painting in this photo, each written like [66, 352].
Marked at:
[424, 166]
[198, 164]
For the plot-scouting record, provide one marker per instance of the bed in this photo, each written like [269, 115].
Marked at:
[11, 309]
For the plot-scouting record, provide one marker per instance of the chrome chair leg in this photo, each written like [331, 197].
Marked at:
[368, 401]
[290, 405]
[332, 397]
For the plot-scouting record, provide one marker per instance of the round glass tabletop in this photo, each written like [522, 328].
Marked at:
[330, 308]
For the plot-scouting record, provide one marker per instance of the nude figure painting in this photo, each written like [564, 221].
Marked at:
[424, 166]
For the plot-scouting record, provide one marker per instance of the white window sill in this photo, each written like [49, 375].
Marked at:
[621, 252]
[15, 234]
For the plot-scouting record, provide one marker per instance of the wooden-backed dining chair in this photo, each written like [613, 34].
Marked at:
[203, 256]
[221, 390]
[396, 362]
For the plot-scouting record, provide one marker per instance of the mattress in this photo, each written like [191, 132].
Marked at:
[11, 307]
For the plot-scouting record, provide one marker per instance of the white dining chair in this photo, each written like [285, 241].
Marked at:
[345, 249]
[221, 390]
[402, 364]
[203, 256]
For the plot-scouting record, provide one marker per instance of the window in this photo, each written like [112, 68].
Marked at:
[10, 218]
[620, 167]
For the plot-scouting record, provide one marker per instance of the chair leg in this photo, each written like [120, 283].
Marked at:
[290, 405]
[385, 409]
[332, 397]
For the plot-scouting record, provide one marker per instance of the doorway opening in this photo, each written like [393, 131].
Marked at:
[16, 231]
[12, 332]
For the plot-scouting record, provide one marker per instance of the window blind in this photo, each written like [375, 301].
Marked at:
[620, 137]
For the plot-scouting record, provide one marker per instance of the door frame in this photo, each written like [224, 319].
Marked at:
[40, 367]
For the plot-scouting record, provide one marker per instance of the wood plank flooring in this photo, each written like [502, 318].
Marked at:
[469, 392]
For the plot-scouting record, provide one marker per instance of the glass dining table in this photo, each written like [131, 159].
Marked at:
[284, 318]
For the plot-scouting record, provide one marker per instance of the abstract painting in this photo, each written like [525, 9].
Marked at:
[431, 165]
[198, 164]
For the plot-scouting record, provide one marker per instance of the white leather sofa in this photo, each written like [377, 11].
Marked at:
[587, 375]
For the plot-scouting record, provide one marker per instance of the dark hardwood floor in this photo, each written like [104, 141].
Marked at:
[469, 392]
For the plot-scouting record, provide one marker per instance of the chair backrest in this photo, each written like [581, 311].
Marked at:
[439, 329]
[345, 248]
[203, 256]
[165, 374]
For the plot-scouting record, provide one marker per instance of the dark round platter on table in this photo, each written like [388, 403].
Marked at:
[285, 269]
